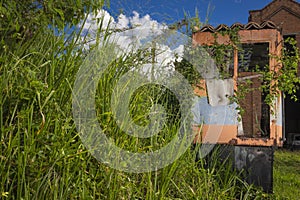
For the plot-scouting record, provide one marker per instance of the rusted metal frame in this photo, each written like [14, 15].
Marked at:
[271, 36]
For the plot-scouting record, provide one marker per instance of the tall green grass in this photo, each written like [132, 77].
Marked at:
[42, 156]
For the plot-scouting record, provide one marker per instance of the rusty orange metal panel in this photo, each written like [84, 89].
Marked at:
[227, 134]
[200, 89]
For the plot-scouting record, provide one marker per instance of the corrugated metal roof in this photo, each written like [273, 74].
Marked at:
[248, 26]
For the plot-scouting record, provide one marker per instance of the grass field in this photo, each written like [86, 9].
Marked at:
[287, 174]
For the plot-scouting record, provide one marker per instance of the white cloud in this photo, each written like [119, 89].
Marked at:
[131, 33]
[123, 22]
[93, 22]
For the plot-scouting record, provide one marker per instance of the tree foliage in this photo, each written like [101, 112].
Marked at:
[22, 19]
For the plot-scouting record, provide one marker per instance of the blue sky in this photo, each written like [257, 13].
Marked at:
[141, 19]
[220, 11]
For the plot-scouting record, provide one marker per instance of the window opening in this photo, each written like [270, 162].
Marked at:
[256, 113]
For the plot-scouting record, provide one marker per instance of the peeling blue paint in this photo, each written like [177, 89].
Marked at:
[218, 115]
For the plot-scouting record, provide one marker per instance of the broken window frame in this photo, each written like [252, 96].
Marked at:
[258, 124]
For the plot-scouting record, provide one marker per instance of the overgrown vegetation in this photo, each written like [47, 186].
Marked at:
[42, 156]
[21, 20]
[41, 153]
